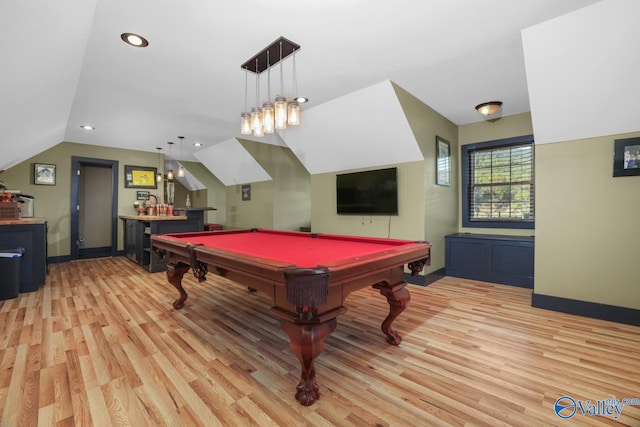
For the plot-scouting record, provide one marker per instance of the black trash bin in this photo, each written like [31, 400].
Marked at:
[10, 272]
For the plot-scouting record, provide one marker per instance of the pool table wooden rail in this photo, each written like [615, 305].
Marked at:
[305, 321]
[267, 275]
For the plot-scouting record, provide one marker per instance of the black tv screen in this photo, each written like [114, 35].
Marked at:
[372, 192]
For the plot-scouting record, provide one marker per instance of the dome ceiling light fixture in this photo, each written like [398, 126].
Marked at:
[134, 39]
[489, 108]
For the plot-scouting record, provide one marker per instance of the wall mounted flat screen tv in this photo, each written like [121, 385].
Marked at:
[372, 192]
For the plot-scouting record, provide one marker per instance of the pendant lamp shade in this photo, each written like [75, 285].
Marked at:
[268, 120]
[293, 113]
[245, 124]
[280, 111]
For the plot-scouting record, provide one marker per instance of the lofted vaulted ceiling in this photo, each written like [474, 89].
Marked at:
[64, 64]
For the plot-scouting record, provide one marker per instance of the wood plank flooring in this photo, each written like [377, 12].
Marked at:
[101, 345]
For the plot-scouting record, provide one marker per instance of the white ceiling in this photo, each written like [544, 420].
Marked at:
[64, 65]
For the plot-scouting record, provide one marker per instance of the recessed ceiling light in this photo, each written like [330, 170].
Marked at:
[197, 144]
[87, 127]
[134, 39]
[301, 99]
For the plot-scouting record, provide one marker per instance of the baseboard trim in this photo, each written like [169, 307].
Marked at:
[67, 258]
[612, 313]
[424, 280]
[101, 252]
[58, 259]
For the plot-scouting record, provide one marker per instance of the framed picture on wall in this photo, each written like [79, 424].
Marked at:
[44, 174]
[246, 192]
[140, 177]
[443, 162]
[626, 157]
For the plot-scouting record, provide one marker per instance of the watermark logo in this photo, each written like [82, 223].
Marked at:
[566, 407]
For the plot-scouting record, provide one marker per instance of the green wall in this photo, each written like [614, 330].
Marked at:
[586, 223]
[426, 211]
[284, 203]
[54, 202]
[408, 224]
[213, 196]
[585, 218]
[584, 248]
[440, 202]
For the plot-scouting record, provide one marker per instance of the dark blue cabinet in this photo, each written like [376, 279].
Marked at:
[139, 229]
[500, 259]
[32, 236]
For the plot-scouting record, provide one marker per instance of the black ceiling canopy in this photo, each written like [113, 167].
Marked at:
[258, 63]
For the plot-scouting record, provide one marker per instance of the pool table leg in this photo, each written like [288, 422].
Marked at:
[174, 276]
[307, 341]
[398, 298]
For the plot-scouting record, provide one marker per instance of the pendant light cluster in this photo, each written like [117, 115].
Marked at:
[277, 115]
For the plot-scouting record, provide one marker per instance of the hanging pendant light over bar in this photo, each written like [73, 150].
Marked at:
[170, 171]
[270, 115]
[159, 175]
[181, 170]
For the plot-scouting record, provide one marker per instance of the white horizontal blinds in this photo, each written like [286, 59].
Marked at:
[501, 181]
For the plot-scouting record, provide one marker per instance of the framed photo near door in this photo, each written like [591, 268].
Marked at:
[44, 174]
[140, 177]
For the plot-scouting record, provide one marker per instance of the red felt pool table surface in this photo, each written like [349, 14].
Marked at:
[304, 250]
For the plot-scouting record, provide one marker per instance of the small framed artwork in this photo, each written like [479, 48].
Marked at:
[626, 157]
[142, 195]
[443, 162]
[44, 174]
[140, 177]
[246, 192]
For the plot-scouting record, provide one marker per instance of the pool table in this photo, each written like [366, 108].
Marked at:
[307, 275]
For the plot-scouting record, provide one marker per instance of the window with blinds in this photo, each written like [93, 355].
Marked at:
[499, 184]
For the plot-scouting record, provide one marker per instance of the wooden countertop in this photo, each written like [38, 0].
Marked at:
[154, 217]
[23, 221]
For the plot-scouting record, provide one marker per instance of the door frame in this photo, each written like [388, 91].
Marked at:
[76, 164]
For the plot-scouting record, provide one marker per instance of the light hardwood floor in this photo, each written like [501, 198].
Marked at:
[101, 345]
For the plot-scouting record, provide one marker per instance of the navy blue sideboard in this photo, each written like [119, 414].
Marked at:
[500, 259]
